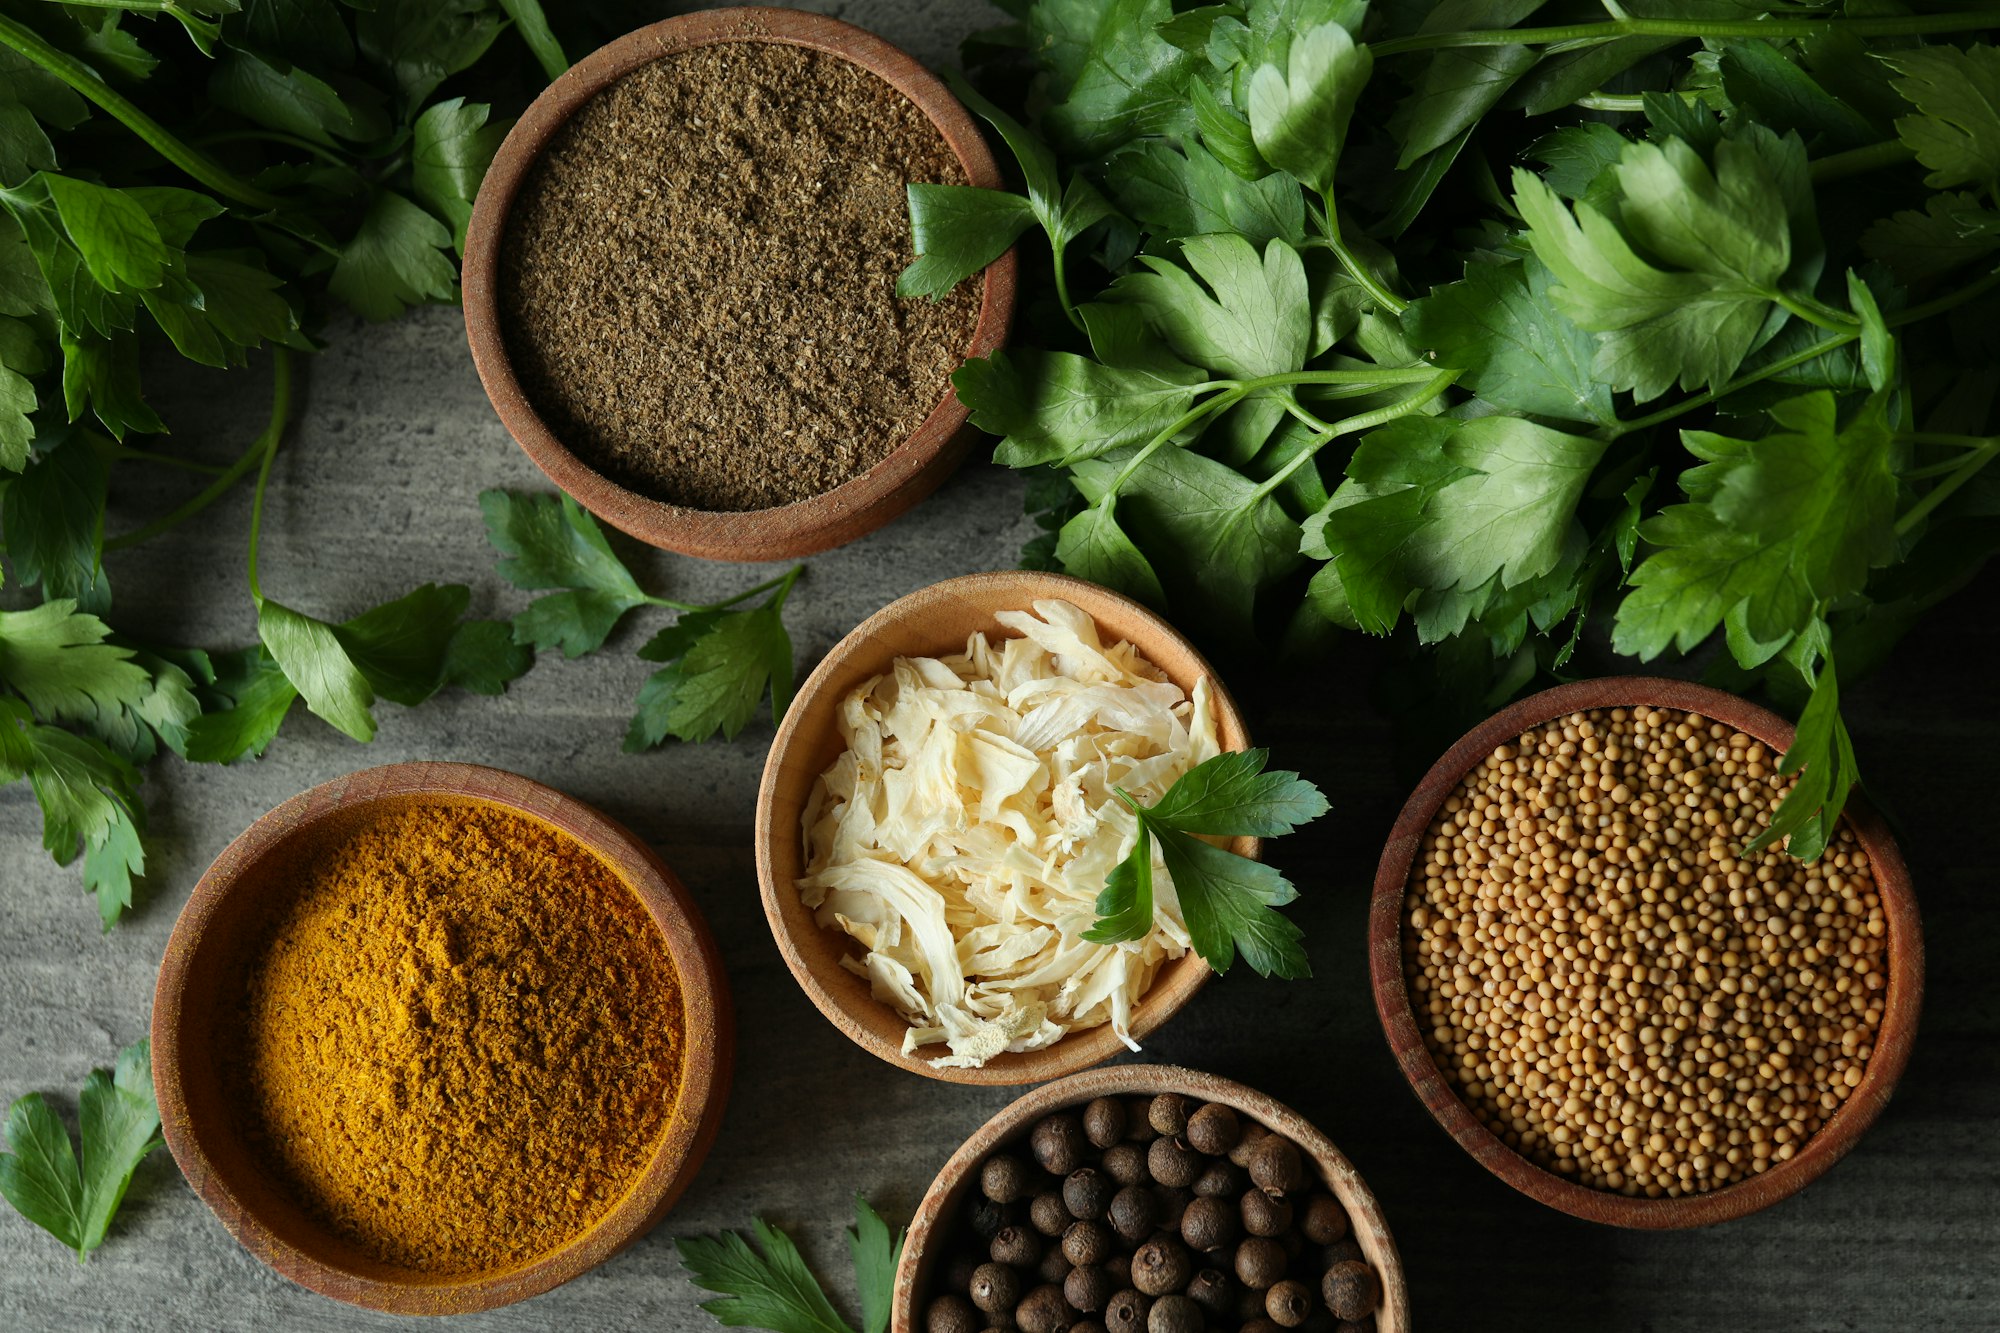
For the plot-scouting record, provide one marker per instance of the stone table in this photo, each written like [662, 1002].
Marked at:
[374, 492]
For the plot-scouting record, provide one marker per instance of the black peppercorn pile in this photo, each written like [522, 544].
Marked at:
[1152, 1215]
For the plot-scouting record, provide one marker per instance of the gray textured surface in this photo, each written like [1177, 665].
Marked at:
[375, 492]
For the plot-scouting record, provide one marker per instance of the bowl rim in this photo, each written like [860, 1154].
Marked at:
[1371, 1227]
[910, 471]
[1075, 1051]
[1902, 1002]
[684, 1141]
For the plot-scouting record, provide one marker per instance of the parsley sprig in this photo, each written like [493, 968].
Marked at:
[1227, 900]
[218, 179]
[775, 1290]
[722, 657]
[74, 1198]
[1410, 319]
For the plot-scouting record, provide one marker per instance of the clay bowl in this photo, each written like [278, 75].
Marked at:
[912, 471]
[933, 622]
[930, 1229]
[1905, 962]
[203, 970]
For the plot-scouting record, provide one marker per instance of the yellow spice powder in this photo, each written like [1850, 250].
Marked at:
[461, 1039]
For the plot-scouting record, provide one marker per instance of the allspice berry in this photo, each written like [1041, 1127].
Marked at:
[1173, 1204]
[1125, 1163]
[1054, 1267]
[1104, 1122]
[1019, 1246]
[1212, 1290]
[1058, 1142]
[1324, 1221]
[1341, 1252]
[952, 1313]
[1049, 1214]
[1251, 1135]
[1135, 1212]
[1209, 1224]
[1350, 1290]
[1219, 1180]
[1086, 1326]
[1126, 1311]
[996, 1288]
[1168, 1114]
[1044, 1310]
[1088, 1288]
[1172, 1162]
[1087, 1243]
[1289, 1302]
[1174, 1314]
[1161, 1266]
[1005, 1178]
[1213, 1129]
[1264, 1215]
[958, 1270]
[1265, 1324]
[1275, 1167]
[1260, 1261]
[1120, 1268]
[1087, 1193]
[1138, 1128]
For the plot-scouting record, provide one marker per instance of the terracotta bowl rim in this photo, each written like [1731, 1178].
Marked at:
[909, 472]
[683, 1142]
[1392, 1315]
[1172, 988]
[1902, 1002]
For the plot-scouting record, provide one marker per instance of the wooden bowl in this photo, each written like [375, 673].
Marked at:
[1392, 1000]
[930, 1229]
[910, 472]
[202, 976]
[933, 622]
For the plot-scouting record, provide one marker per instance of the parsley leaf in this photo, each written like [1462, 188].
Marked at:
[551, 542]
[1519, 352]
[1299, 114]
[1772, 530]
[313, 658]
[451, 146]
[1957, 95]
[1822, 758]
[395, 260]
[1254, 317]
[957, 230]
[120, 1126]
[722, 662]
[258, 695]
[1058, 407]
[1225, 899]
[775, 1290]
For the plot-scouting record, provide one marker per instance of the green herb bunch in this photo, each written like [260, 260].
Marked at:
[775, 1290]
[1508, 326]
[215, 178]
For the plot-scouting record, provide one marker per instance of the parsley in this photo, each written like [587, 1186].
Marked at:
[1402, 318]
[723, 657]
[220, 184]
[775, 1290]
[1226, 900]
[74, 1200]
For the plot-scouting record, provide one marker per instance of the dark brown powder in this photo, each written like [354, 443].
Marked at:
[699, 276]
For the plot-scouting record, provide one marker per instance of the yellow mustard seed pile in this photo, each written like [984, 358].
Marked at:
[1611, 987]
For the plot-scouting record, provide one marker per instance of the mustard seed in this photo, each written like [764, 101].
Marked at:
[1609, 982]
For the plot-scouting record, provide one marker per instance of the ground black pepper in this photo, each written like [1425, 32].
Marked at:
[698, 277]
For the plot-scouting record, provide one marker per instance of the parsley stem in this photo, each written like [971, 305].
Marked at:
[1062, 287]
[1777, 367]
[26, 42]
[1220, 403]
[1815, 311]
[1381, 295]
[1897, 25]
[281, 398]
[1855, 161]
[1941, 492]
[783, 583]
[1379, 375]
[281, 401]
[1402, 407]
[121, 452]
[1953, 441]
[1916, 313]
[320, 151]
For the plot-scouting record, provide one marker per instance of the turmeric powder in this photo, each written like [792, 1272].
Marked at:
[461, 1039]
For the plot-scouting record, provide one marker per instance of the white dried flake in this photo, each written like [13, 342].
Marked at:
[964, 835]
